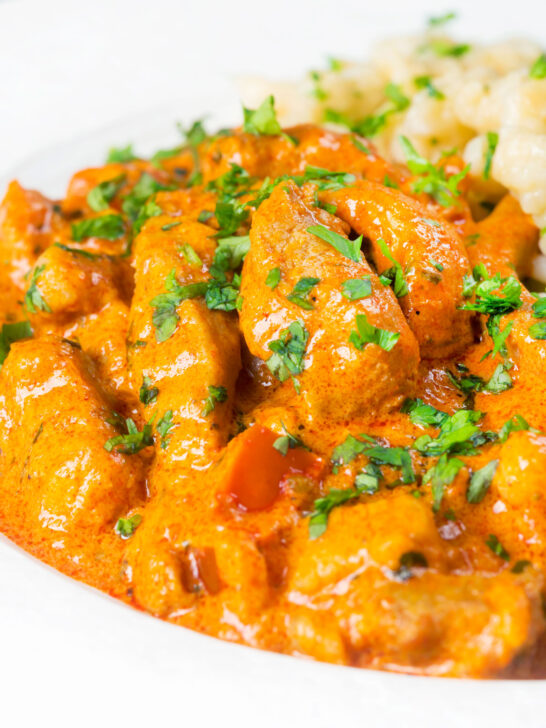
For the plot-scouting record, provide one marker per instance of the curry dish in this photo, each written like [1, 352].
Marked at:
[274, 388]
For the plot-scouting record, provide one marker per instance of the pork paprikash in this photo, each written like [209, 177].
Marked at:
[271, 387]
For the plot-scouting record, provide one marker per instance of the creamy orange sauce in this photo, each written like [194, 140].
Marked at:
[154, 444]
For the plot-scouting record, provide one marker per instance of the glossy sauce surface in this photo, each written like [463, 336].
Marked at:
[232, 432]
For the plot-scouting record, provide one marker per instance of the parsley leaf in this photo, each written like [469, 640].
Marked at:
[273, 278]
[288, 352]
[99, 197]
[287, 442]
[121, 155]
[516, 423]
[496, 547]
[538, 69]
[165, 318]
[133, 441]
[494, 294]
[108, 227]
[147, 394]
[425, 83]
[447, 48]
[356, 288]
[434, 22]
[125, 527]
[349, 248]
[443, 473]
[216, 394]
[456, 435]
[492, 141]
[10, 333]
[538, 330]
[140, 194]
[368, 334]
[33, 298]
[163, 427]
[335, 497]
[500, 380]
[424, 414]
[300, 292]
[480, 482]
[349, 449]
[190, 255]
[262, 121]
[395, 275]
[433, 180]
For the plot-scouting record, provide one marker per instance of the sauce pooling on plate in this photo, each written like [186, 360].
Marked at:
[270, 387]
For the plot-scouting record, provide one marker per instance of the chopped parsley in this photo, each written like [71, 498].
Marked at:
[492, 140]
[77, 251]
[520, 566]
[164, 425]
[432, 180]
[424, 414]
[263, 120]
[393, 276]
[99, 197]
[371, 125]
[349, 449]
[496, 547]
[480, 482]
[10, 333]
[538, 69]
[440, 475]
[368, 334]
[288, 352]
[287, 442]
[335, 497]
[445, 48]
[458, 434]
[121, 155]
[349, 248]
[438, 20]
[139, 196]
[273, 278]
[147, 393]
[33, 298]
[133, 441]
[425, 83]
[165, 318]
[517, 423]
[538, 330]
[300, 292]
[108, 227]
[356, 288]
[190, 255]
[125, 527]
[216, 394]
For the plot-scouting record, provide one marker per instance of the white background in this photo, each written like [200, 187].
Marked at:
[69, 656]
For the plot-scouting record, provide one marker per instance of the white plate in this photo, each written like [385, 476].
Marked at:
[76, 657]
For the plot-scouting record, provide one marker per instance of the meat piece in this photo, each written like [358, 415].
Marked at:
[337, 380]
[430, 252]
[57, 479]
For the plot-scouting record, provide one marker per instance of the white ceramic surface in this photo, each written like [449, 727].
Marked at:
[70, 656]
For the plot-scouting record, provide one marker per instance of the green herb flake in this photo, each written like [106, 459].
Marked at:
[356, 288]
[133, 441]
[99, 197]
[10, 333]
[349, 248]
[435, 22]
[301, 291]
[216, 394]
[163, 428]
[287, 442]
[273, 278]
[425, 83]
[440, 475]
[108, 227]
[393, 276]
[121, 155]
[263, 120]
[520, 566]
[492, 140]
[538, 69]
[496, 547]
[147, 393]
[190, 255]
[125, 527]
[288, 350]
[480, 482]
[33, 298]
[368, 334]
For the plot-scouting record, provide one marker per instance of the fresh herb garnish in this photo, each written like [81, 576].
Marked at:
[121, 155]
[163, 428]
[496, 547]
[538, 69]
[301, 291]
[440, 475]
[10, 333]
[287, 442]
[273, 278]
[434, 22]
[393, 276]
[425, 83]
[424, 414]
[263, 120]
[368, 334]
[432, 180]
[349, 248]
[190, 255]
[99, 197]
[492, 141]
[125, 527]
[480, 482]
[356, 288]
[147, 393]
[33, 298]
[165, 318]
[288, 352]
[108, 227]
[216, 394]
[133, 441]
